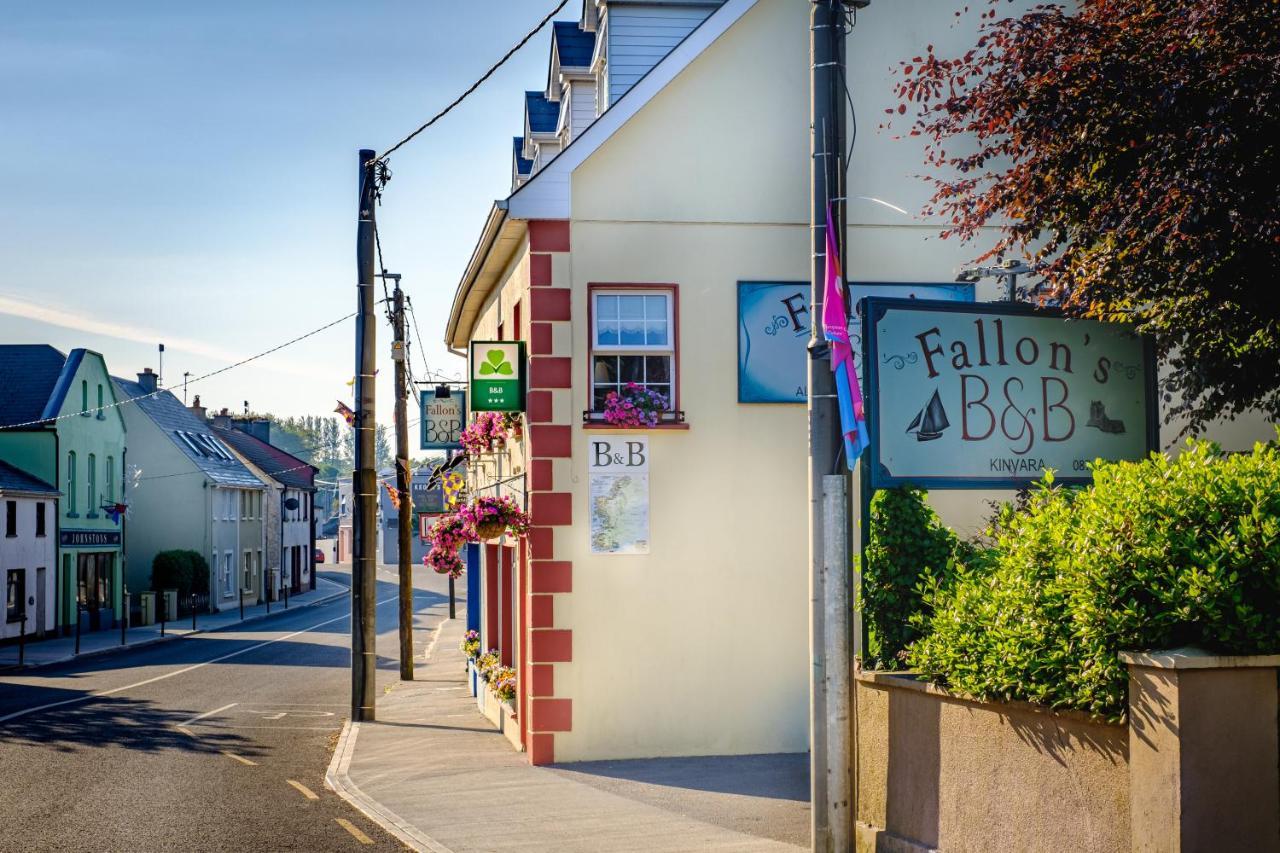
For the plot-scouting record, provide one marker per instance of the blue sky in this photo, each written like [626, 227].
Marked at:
[186, 173]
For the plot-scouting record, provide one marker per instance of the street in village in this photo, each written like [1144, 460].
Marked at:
[218, 741]
[750, 426]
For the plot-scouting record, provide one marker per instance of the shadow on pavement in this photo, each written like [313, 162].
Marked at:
[777, 777]
[113, 722]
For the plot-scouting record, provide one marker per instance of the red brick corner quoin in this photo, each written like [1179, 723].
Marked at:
[550, 502]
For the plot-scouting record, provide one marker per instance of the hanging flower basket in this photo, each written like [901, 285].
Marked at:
[490, 517]
[491, 530]
[486, 434]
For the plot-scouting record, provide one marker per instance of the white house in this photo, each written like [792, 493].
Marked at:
[290, 504]
[28, 552]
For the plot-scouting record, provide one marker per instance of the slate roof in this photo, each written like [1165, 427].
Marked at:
[523, 166]
[542, 113]
[173, 418]
[28, 374]
[282, 467]
[15, 480]
[574, 46]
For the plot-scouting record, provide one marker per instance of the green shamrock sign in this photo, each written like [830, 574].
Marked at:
[495, 362]
[497, 376]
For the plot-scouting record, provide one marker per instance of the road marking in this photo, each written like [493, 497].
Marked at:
[198, 717]
[351, 828]
[274, 716]
[185, 731]
[239, 758]
[306, 792]
[91, 696]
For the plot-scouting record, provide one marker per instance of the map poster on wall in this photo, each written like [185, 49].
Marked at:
[774, 324]
[992, 395]
[618, 494]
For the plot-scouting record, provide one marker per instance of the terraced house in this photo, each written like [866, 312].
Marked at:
[192, 493]
[59, 423]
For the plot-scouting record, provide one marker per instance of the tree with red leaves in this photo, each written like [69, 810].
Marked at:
[1130, 148]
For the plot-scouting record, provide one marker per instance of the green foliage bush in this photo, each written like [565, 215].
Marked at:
[185, 571]
[1154, 555]
[908, 545]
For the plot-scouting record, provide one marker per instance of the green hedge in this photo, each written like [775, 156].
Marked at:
[185, 571]
[908, 545]
[1154, 555]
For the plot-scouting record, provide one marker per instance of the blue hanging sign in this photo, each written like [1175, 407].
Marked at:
[774, 323]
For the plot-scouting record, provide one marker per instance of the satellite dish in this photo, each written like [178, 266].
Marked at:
[291, 503]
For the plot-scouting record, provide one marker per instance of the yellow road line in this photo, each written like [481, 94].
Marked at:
[240, 758]
[306, 792]
[351, 828]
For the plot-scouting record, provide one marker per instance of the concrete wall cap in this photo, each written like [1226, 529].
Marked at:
[1192, 658]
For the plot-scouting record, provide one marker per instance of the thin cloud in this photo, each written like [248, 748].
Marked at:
[66, 319]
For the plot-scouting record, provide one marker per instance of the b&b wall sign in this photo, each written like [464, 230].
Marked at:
[992, 395]
[774, 324]
[497, 376]
[442, 419]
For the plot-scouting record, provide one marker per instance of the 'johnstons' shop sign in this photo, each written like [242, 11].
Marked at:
[992, 395]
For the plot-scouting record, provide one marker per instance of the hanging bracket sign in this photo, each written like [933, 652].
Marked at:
[442, 419]
[497, 376]
[992, 395]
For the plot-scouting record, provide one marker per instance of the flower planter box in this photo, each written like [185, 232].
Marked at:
[511, 726]
[473, 679]
[482, 691]
[492, 709]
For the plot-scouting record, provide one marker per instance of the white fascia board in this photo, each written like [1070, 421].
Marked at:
[547, 194]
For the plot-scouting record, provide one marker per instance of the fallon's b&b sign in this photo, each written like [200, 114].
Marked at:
[992, 395]
[442, 419]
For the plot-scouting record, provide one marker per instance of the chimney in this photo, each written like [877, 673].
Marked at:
[222, 420]
[259, 428]
[197, 409]
[147, 379]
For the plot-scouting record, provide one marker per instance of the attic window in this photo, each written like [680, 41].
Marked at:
[189, 440]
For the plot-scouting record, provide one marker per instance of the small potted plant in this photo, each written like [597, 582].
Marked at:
[513, 423]
[470, 648]
[634, 406]
[490, 517]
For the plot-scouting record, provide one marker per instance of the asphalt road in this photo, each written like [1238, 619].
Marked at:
[217, 742]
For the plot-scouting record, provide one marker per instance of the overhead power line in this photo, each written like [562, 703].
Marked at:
[381, 158]
[241, 363]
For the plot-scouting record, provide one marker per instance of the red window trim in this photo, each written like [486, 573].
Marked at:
[676, 384]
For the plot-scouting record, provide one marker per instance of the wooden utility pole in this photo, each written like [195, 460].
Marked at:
[364, 562]
[404, 514]
[831, 754]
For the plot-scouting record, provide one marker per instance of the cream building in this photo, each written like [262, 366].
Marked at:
[620, 255]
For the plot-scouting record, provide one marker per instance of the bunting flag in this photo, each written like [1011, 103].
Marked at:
[835, 328]
[347, 415]
[115, 511]
[393, 494]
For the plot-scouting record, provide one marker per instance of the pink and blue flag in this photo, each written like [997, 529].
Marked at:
[835, 328]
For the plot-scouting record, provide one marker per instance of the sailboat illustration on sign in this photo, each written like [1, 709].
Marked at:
[929, 423]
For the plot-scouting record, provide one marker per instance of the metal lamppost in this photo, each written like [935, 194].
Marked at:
[1008, 270]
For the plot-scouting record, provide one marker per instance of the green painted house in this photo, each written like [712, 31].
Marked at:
[59, 422]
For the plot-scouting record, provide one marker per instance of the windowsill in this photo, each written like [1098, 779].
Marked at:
[11, 536]
[101, 416]
[73, 515]
[91, 515]
[601, 425]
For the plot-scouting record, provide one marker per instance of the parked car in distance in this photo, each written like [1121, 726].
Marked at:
[319, 555]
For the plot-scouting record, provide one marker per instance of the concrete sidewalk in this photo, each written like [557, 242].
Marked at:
[435, 773]
[51, 651]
